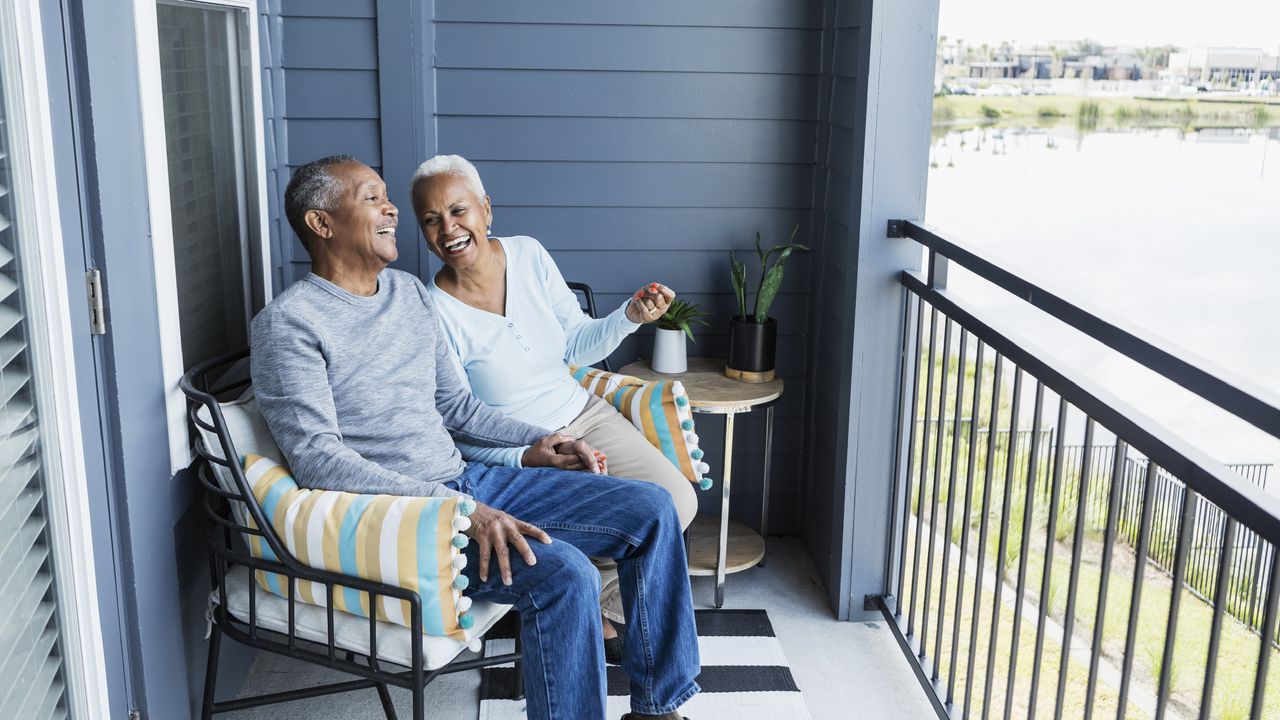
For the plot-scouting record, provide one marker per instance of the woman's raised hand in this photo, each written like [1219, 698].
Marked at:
[649, 303]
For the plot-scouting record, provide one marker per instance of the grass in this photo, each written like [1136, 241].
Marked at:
[1105, 111]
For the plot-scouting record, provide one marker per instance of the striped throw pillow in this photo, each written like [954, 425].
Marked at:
[658, 409]
[411, 542]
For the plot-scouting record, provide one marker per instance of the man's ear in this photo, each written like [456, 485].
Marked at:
[488, 212]
[318, 222]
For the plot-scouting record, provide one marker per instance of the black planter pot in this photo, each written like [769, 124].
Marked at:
[751, 350]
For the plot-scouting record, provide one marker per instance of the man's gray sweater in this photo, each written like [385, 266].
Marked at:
[359, 391]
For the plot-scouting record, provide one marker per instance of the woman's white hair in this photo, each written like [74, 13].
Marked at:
[448, 165]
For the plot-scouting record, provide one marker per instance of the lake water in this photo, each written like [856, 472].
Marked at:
[1176, 232]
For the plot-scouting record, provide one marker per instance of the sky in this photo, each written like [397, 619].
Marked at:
[1233, 23]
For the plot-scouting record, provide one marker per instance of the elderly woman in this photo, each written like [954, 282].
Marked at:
[515, 327]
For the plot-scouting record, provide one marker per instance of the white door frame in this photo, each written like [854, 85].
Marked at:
[55, 385]
[154, 142]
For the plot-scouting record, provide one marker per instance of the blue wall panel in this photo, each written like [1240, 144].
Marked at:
[641, 142]
[637, 142]
[326, 100]
[586, 93]
[836, 212]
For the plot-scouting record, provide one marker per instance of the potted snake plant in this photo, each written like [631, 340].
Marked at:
[753, 338]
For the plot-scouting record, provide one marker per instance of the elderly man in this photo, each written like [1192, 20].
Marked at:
[352, 374]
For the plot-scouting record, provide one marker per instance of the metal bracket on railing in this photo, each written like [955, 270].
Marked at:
[872, 602]
[897, 229]
[938, 267]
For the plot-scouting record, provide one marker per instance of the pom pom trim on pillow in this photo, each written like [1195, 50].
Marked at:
[410, 542]
[659, 409]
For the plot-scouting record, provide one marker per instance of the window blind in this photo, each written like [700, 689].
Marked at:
[31, 667]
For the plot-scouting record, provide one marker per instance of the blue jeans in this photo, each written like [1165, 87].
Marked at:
[558, 598]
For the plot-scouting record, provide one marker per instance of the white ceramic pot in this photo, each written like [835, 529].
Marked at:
[669, 352]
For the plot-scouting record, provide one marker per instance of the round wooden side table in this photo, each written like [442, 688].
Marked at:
[718, 546]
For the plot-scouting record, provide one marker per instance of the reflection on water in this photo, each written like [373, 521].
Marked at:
[1174, 230]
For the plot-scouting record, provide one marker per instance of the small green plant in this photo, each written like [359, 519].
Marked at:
[1233, 708]
[990, 113]
[770, 277]
[680, 315]
[1049, 111]
[1154, 656]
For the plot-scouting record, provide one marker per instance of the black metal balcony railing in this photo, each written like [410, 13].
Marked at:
[1095, 564]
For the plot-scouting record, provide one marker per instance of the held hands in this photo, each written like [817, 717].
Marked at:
[563, 451]
[649, 303]
[493, 530]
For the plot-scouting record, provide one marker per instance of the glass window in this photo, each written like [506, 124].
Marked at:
[209, 133]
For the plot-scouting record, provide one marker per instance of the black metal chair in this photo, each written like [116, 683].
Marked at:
[229, 503]
[589, 307]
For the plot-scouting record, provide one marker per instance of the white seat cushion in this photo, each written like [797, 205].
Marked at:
[351, 632]
[249, 436]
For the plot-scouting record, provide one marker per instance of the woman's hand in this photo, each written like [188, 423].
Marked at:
[493, 530]
[562, 451]
[649, 303]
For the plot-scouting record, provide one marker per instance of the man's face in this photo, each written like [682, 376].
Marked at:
[363, 224]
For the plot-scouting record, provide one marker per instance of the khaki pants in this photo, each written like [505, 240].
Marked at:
[630, 456]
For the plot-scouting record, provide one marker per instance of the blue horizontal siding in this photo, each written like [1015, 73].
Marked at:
[790, 309]
[641, 141]
[627, 48]
[658, 229]
[700, 271]
[628, 139]
[845, 61]
[578, 93]
[330, 43]
[329, 94]
[329, 8]
[844, 102]
[706, 13]
[650, 184]
[327, 60]
[310, 139]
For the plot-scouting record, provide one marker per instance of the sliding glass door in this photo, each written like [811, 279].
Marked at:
[50, 650]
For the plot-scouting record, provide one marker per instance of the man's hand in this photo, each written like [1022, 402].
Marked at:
[493, 530]
[562, 451]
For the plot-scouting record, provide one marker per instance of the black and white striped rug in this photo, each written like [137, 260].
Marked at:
[744, 674]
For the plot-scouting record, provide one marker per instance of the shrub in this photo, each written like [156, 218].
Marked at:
[989, 112]
[1049, 111]
[1088, 114]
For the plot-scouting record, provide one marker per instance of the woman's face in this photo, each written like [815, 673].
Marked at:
[454, 220]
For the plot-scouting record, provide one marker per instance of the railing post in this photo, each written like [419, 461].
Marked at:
[939, 265]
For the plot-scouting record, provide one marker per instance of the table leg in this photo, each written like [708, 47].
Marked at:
[722, 548]
[764, 498]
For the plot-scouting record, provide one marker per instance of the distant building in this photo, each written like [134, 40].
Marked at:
[1224, 66]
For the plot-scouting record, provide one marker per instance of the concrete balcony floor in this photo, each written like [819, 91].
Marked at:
[845, 670]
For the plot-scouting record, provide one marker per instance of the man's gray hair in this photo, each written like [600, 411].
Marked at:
[313, 187]
[449, 165]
